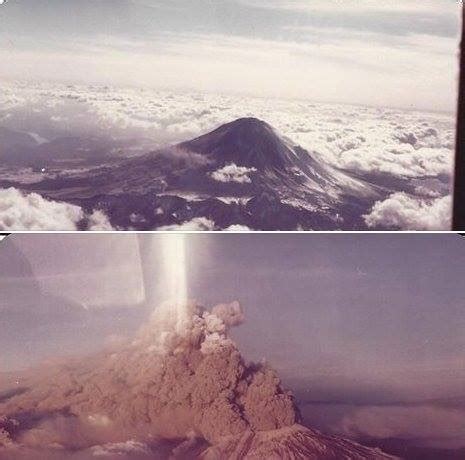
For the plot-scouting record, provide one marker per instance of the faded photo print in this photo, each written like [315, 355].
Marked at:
[227, 114]
[225, 346]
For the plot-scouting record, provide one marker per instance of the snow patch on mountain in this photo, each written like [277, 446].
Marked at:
[119, 449]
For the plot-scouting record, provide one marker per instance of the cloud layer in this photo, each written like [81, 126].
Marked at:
[365, 140]
[404, 151]
[32, 212]
[294, 49]
[19, 211]
[401, 211]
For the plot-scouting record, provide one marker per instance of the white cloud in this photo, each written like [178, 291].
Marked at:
[98, 221]
[32, 212]
[196, 224]
[360, 6]
[408, 213]
[233, 173]
[238, 228]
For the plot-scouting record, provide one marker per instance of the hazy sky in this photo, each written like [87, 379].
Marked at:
[390, 52]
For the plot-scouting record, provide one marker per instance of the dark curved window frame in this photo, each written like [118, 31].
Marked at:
[459, 181]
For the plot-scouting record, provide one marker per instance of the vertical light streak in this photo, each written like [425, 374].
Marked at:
[173, 251]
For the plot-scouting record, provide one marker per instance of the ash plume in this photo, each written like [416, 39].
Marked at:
[171, 392]
[162, 385]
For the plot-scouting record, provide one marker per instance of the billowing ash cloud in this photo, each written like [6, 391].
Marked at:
[179, 389]
[409, 213]
[192, 384]
[233, 173]
[20, 211]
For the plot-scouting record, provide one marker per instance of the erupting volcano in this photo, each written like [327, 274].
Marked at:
[179, 388]
[188, 388]
[180, 393]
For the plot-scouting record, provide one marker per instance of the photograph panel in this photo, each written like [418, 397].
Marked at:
[228, 115]
[298, 346]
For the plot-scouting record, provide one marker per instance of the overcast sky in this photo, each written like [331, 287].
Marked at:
[390, 52]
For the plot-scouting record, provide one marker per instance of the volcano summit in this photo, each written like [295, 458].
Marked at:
[246, 142]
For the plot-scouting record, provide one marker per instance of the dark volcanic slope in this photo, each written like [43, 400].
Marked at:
[241, 173]
[246, 142]
[252, 143]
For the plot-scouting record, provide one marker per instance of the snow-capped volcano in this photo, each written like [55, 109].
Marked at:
[289, 443]
[242, 173]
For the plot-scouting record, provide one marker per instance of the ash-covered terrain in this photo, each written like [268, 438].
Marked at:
[179, 389]
[101, 158]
